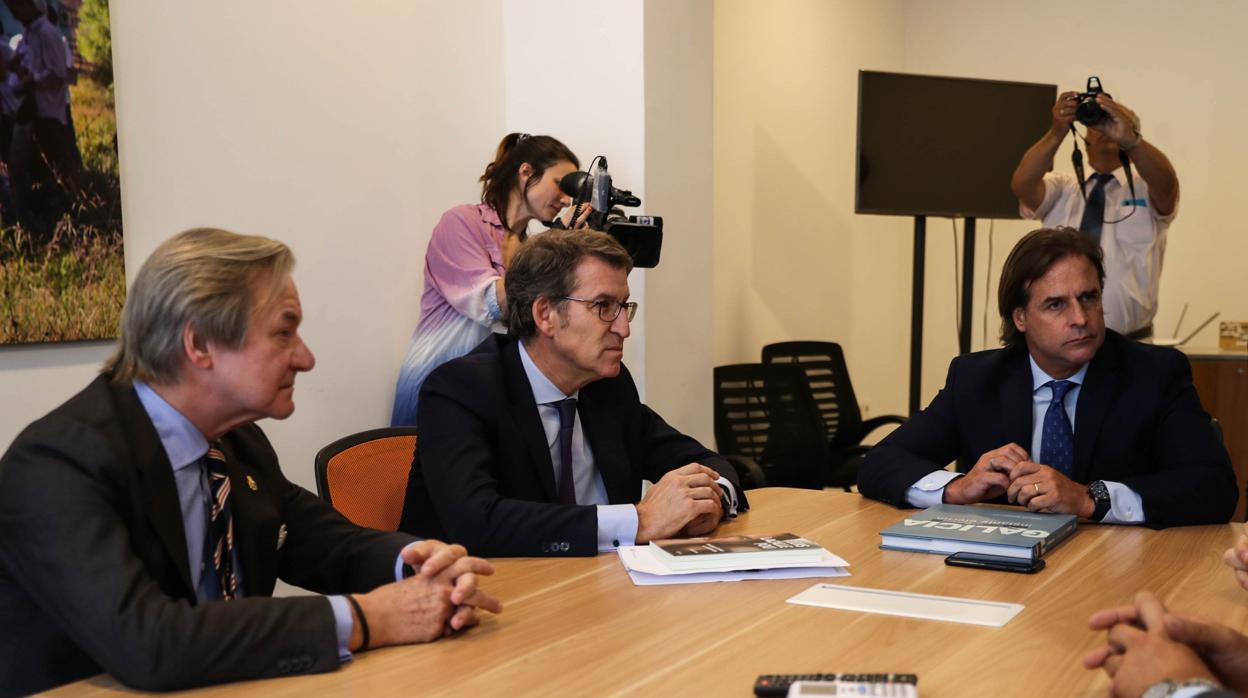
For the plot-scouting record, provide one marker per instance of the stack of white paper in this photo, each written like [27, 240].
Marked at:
[900, 603]
[645, 570]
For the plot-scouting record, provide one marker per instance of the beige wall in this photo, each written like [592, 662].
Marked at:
[679, 334]
[794, 262]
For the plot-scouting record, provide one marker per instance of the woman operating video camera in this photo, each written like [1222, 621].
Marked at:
[468, 254]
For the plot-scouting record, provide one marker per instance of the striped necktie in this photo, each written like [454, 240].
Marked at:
[219, 550]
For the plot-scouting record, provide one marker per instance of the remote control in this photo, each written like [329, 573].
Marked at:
[778, 684]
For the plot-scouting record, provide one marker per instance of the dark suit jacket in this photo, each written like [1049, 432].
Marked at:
[94, 572]
[483, 476]
[1138, 422]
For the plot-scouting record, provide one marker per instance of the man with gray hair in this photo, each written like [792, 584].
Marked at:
[537, 443]
[144, 522]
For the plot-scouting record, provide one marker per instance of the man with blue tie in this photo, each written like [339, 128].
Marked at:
[536, 443]
[1068, 417]
[144, 522]
[1126, 212]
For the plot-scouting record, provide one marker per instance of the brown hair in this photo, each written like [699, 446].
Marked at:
[1031, 259]
[545, 267]
[204, 277]
[514, 150]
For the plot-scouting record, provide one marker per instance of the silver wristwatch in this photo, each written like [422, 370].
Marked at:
[1167, 688]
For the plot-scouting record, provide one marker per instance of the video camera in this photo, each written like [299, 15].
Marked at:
[1087, 111]
[641, 236]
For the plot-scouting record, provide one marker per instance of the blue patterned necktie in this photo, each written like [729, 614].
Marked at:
[567, 482]
[1057, 442]
[219, 546]
[1094, 209]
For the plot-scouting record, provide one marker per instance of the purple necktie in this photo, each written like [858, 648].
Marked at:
[567, 482]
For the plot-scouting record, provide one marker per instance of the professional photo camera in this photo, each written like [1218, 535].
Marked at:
[1088, 112]
[641, 236]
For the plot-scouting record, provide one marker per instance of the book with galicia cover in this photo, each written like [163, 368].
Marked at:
[735, 552]
[954, 528]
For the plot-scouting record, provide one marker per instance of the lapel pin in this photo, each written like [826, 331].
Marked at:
[281, 536]
[251, 482]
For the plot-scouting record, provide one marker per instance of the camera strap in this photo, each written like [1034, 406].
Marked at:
[1076, 159]
[1126, 167]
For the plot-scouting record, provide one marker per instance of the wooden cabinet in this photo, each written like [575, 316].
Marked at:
[1221, 378]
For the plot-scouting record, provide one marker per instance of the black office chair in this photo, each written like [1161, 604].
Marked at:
[833, 394]
[766, 423]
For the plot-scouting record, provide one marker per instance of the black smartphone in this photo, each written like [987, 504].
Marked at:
[995, 562]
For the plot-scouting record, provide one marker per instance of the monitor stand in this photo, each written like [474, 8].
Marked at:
[916, 301]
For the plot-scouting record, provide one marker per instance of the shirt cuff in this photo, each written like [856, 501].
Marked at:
[617, 525]
[342, 624]
[1125, 504]
[731, 492]
[400, 569]
[930, 489]
[491, 301]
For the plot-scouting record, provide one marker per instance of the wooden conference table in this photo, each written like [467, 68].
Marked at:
[578, 626]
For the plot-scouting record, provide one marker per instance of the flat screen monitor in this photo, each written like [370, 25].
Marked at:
[942, 146]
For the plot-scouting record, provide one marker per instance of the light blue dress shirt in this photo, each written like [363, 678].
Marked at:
[1126, 506]
[186, 446]
[617, 523]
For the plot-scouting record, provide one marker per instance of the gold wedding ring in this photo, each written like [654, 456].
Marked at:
[1037, 486]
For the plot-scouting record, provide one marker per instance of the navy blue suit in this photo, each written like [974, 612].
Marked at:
[483, 474]
[1138, 422]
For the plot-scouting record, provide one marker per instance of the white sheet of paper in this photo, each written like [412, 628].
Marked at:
[899, 603]
[640, 558]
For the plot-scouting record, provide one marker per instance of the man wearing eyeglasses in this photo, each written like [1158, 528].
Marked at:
[536, 443]
[1127, 218]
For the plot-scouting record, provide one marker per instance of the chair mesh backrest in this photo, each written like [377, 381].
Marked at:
[828, 377]
[765, 412]
[367, 481]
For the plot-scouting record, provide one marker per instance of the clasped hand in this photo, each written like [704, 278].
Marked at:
[685, 502]
[1010, 471]
[441, 598]
[1146, 644]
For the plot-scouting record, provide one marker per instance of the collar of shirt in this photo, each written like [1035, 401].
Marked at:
[1120, 178]
[183, 443]
[544, 392]
[489, 215]
[1039, 378]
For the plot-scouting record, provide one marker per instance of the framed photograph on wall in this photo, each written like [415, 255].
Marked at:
[62, 266]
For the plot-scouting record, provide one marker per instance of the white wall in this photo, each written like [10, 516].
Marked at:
[344, 132]
[589, 92]
[794, 262]
[632, 83]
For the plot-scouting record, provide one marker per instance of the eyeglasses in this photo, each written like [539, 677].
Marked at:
[608, 310]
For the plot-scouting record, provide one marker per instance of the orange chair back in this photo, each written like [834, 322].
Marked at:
[364, 476]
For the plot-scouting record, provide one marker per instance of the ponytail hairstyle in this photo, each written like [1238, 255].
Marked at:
[513, 151]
